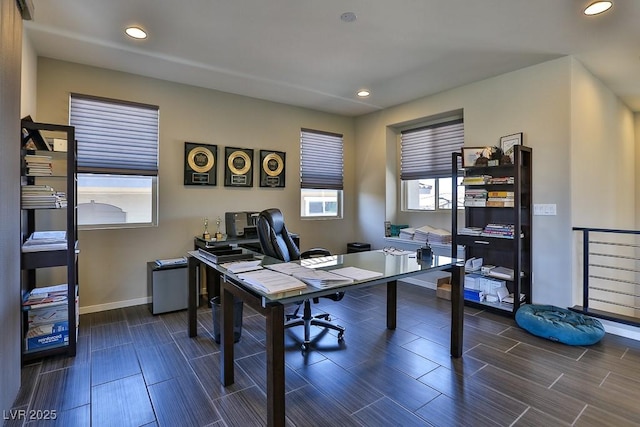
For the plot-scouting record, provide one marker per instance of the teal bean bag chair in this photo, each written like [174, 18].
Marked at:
[559, 324]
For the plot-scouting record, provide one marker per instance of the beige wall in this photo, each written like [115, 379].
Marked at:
[603, 178]
[10, 335]
[538, 101]
[602, 155]
[28, 86]
[113, 262]
[563, 112]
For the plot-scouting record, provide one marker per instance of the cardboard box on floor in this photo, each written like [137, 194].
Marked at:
[443, 288]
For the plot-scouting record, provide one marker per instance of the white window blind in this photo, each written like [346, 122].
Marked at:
[426, 152]
[115, 137]
[321, 160]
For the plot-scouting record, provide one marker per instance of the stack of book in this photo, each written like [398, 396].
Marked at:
[476, 180]
[429, 234]
[45, 241]
[42, 197]
[470, 231]
[475, 197]
[505, 231]
[48, 317]
[502, 180]
[500, 199]
[38, 165]
[407, 233]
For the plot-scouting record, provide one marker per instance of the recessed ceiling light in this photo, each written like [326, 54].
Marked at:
[136, 32]
[598, 7]
[363, 93]
[348, 17]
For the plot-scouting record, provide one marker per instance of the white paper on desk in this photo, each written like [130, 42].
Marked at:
[322, 278]
[242, 266]
[356, 273]
[271, 282]
[290, 268]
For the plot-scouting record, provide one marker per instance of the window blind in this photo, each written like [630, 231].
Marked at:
[426, 152]
[114, 136]
[321, 160]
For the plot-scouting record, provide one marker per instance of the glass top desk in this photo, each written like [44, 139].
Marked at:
[393, 268]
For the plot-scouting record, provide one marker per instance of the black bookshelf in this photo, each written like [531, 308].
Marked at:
[510, 252]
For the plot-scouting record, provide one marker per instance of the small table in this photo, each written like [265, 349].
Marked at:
[392, 267]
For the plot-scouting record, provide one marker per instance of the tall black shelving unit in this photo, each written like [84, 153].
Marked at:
[63, 178]
[513, 253]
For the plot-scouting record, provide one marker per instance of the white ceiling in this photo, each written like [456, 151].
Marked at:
[299, 52]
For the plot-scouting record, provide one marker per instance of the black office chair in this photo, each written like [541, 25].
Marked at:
[276, 242]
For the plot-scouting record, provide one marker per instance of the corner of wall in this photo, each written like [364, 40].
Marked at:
[29, 78]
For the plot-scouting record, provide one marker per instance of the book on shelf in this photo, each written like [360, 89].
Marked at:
[500, 203]
[47, 315]
[48, 296]
[510, 299]
[41, 337]
[476, 179]
[502, 180]
[482, 203]
[501, 194]
[42, 197]
[45, 241]
[501, 273]
[499, 230]
[470, 231]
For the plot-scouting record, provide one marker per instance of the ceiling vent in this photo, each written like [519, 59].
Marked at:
[26, 9]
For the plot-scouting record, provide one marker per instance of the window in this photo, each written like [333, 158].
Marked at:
[425, 166]
[117, 162]
[321, 174]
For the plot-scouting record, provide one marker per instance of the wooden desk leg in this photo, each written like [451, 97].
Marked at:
[226, 337]
[193, 264]
[392, 301]
[275, 366]
[457, 310]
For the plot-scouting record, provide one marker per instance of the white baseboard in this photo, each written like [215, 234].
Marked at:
[621, 329]
[114, 305]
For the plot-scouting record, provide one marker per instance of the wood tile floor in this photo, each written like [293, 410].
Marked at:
[135, 369]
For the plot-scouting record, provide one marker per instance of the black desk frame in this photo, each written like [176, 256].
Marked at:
[274, 314]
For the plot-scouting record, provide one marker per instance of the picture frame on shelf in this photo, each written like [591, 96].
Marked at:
[507, 144]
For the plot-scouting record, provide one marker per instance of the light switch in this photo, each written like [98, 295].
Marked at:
[544, 209]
